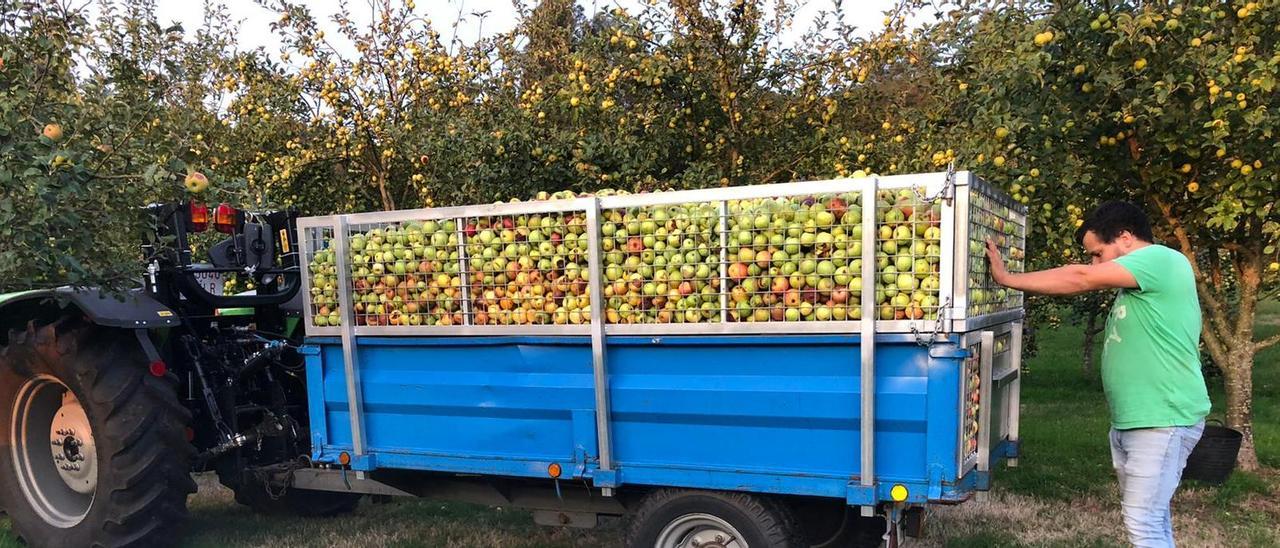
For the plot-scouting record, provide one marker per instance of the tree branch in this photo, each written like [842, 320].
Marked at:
[1266, 343]
[1212, 342]
[1214, 306]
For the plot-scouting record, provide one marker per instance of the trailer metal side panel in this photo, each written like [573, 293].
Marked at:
[775, 414]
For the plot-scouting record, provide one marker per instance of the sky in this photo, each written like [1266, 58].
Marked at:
[498, 16]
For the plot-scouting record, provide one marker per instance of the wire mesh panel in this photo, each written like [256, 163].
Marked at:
[795, 258]
[406, 273]
[909, 255]
[661, 263]
[992, 216]
[527, 269]
[320, 284]
[970, 402]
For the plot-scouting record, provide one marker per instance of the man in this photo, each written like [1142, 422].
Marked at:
[1150, 358]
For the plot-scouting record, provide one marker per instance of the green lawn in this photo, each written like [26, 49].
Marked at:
[1063, 494]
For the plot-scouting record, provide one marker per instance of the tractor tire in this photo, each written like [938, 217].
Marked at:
[676, 518]
[94, 444]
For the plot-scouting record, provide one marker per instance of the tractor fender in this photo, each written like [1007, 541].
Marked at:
[128, 310]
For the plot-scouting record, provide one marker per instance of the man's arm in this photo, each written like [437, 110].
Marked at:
[1064, 280]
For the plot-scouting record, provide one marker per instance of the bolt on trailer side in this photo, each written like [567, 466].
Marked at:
[720, 397]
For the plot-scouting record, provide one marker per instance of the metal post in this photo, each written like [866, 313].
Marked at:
[986, 354]
[463, 272]
[1015, 387]
[724, 257]
[598, 347]
[867, 341]
[355, 400]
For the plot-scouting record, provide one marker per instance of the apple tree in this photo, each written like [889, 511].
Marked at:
[1171, 105]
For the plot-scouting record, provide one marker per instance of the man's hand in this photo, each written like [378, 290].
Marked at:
[998, 270]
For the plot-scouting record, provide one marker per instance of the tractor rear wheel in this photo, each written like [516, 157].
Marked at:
[95, 450]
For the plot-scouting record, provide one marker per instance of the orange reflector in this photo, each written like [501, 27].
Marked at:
[344, 458]
[553, 470]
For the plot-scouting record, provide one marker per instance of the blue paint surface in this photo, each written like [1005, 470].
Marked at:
[770, 414]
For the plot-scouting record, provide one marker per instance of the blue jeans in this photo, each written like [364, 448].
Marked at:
[1149, 464]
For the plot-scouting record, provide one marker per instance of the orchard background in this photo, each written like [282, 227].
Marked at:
[1170, 104]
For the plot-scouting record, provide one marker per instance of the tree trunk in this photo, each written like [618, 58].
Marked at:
[1090, 333]
[1239, 384]
[1234, 352]
[1227, 330]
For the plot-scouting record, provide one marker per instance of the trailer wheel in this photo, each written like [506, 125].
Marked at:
[94, 448]
[682, 518]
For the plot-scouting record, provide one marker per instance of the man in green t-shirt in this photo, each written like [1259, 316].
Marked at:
[1150, 357]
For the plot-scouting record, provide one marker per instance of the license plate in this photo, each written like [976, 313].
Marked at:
[213, 282]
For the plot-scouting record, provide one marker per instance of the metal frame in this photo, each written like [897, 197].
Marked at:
[932, 183]
[867, 344]
[350, 355]
[599, 350]
[464, 273]
[981, 458]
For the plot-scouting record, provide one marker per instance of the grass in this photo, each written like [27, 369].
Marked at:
[1063, 494]
[217, 522]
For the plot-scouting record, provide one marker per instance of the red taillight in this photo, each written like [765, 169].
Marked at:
[199, 217]
[224, 219]
[158, 368]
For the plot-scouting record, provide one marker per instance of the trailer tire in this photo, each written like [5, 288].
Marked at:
[94, 444]
[669, 518]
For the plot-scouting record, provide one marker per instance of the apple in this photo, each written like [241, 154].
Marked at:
[52, 132]
[195, 181]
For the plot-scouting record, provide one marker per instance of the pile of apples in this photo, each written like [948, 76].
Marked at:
[801, 259]
[661, 264]
[785, 259]
[529, 269]
[972, 396]
[405, 274]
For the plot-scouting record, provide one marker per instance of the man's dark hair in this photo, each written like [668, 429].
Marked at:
[1110, 219]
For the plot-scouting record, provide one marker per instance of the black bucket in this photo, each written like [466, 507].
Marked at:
[1214, 457]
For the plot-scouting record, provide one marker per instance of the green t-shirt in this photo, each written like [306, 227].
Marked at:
[1151, 357]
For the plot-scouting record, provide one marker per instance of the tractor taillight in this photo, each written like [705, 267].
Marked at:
[199, 217]
[224, 219]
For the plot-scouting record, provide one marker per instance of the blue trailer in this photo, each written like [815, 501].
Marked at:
[722, 423]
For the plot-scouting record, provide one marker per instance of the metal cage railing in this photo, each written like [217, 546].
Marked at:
[778, 258]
